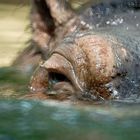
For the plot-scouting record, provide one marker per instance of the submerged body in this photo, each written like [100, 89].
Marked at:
[92, 56]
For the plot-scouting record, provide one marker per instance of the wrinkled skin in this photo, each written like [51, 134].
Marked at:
[81, 61]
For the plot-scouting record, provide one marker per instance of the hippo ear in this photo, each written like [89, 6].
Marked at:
[60, 11]
[50, 21]
[46, 17]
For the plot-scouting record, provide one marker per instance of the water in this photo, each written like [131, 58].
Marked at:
[50, 120]
[13, 84]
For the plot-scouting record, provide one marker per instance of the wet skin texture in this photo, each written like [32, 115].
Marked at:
[91, 56]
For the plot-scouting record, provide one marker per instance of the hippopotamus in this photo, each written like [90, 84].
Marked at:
[93, 55]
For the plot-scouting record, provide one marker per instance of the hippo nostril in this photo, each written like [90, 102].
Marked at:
[61, 75]
[55, 78]
[59, 85]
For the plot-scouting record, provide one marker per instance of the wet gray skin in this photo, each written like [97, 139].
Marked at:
[93, 57]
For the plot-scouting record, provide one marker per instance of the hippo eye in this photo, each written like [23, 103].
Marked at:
[55, 78]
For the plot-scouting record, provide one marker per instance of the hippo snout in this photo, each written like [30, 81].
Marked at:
[82, 66]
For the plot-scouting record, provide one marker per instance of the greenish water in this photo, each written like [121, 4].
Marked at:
[13, 84]
[52, 120]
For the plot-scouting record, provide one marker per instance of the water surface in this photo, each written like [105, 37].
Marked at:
[50, 120]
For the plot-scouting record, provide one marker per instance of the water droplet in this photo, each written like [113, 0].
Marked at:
[137, 25]
[97, 25]
[83, 23]
[127, 28]
[107, 22]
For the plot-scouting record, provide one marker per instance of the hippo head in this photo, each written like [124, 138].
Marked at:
[82, 65]
[78, 60]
